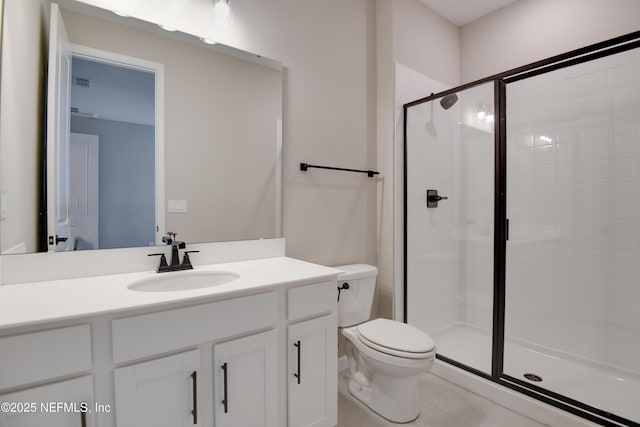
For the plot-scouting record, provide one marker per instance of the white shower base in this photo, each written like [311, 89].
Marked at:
[601, 386]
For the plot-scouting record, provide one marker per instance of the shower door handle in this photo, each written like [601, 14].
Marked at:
[433, 198]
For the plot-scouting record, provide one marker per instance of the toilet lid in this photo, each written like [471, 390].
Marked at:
[396, 336]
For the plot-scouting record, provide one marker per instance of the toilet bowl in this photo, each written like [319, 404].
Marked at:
[386, 357]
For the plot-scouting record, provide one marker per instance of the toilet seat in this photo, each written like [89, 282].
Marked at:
[396, 339]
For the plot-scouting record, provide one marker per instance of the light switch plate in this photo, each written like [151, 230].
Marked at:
[177, 206]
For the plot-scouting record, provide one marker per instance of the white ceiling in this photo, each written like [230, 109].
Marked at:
[461, 12]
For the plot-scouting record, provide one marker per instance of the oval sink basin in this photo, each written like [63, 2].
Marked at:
[182, 281]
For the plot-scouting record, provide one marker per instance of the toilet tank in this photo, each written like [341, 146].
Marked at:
[354, 303]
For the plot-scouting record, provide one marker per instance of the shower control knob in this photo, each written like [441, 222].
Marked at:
[433, 198]
[437, 198]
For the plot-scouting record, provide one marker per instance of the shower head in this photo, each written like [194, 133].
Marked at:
[448, 101]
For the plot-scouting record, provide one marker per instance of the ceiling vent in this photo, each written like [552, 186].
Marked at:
[81, 81]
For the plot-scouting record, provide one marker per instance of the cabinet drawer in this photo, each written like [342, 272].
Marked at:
[44, 355]
[73, 393]
[156, 333]
[311, 300]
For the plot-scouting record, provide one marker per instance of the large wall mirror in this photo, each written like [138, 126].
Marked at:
[114, 131]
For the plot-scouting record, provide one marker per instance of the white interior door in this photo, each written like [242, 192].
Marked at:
[83, 190]
[58, 129]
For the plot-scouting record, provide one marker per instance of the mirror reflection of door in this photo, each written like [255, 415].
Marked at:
[116, 103]
[84, 190]
[103, 194]
[58, 121]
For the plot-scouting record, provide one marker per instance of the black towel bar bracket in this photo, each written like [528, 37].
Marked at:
[306, 166]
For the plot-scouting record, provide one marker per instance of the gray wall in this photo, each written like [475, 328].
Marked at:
[126, 181]
[530, 30]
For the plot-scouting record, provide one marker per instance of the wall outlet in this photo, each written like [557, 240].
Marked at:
[177, 206]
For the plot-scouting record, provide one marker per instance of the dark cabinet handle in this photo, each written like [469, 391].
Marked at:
[83, 419]
[194, 383]
[225, 400]
[298, 344]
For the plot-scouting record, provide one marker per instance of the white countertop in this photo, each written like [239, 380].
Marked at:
[41, 302]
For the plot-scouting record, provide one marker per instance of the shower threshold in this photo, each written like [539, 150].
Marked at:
[598, 385]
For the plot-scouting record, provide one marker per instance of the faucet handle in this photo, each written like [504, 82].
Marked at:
[186, 262]
[169, 238]
[163, 261]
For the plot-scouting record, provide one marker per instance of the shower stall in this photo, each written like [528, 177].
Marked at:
[522, 228]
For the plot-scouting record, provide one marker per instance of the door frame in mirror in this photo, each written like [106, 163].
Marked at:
[116, 59]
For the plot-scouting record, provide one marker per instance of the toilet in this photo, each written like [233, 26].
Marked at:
[386, 357]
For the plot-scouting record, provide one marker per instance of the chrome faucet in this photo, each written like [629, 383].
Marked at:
[176, 265]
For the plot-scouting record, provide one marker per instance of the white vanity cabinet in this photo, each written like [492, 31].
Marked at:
[161, 392]
[245, 378]
[62, 404]
[256, 353]
[312, 357]
[167, 391]
[313, 373]
[46, 357]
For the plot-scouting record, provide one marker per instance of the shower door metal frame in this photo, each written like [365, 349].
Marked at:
[500, 81]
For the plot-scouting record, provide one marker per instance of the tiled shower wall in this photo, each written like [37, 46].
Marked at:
[573, 197]
[433, 259]
[477, 215]
[450, 248]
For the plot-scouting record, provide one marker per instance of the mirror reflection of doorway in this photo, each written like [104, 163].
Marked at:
[111, 195]
[115, 104]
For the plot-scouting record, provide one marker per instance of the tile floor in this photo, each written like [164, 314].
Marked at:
[443, 404]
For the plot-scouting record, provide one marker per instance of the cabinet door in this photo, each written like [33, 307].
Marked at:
[313, 373]
[63, 404]
[159, 393]
[245, 375]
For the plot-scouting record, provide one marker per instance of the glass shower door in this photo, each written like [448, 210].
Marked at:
[527, 269]
[449, 223]
[572, 264]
